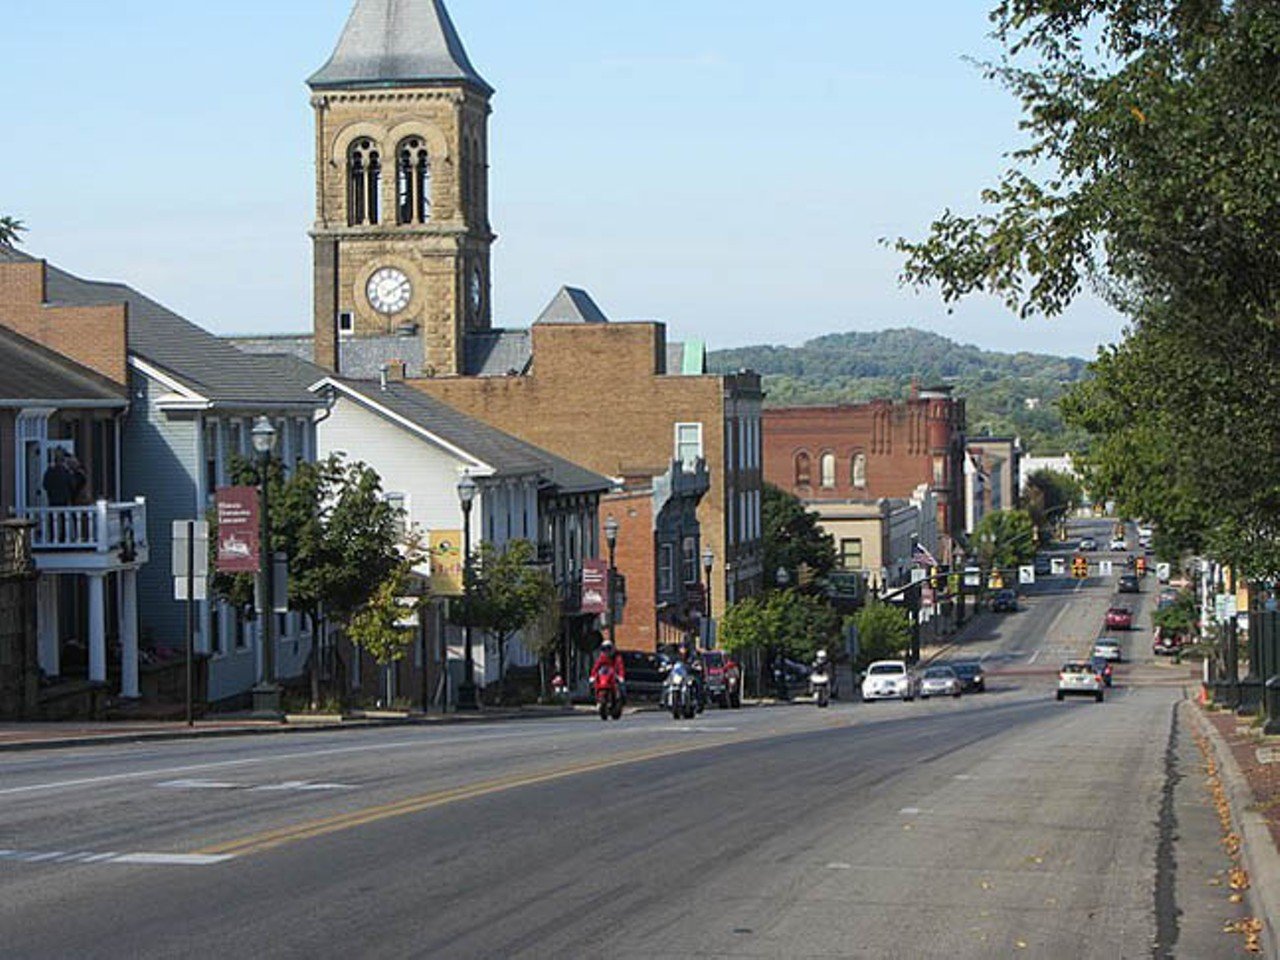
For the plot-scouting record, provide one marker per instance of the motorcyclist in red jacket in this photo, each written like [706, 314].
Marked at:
[610, 657]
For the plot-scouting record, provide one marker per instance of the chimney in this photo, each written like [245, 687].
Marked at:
[392, 372]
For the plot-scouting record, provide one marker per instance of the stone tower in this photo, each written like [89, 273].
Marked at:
[401, 236]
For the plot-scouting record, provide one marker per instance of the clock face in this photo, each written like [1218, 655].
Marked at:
[389, 290]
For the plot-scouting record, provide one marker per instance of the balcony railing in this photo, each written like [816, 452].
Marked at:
[15, 549]
[99, 528]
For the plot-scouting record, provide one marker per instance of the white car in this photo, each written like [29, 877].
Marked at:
[939, 681]
[1077, 678]
[1119, 543]
[889, 680]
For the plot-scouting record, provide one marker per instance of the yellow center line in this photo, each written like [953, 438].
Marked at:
[267, 840]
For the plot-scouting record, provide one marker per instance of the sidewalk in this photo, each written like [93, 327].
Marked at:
[1250, 774]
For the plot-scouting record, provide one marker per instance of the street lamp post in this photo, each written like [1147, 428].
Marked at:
[783, 579]
[611, 538]
[957, 563]
[708, 561]
[266, 694]
[467, 689]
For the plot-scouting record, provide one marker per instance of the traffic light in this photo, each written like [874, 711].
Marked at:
[1142, 566]
[1080, 568]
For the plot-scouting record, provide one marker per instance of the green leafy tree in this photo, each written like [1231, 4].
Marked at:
[1004, 538]
[11, 231]
[509, 592]
[383, 625]
[1178, 618]
[791, 622]
[793, 541]
[1049, 497]
[884, 632]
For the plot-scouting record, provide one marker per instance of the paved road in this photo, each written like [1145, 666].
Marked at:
[1004, 824]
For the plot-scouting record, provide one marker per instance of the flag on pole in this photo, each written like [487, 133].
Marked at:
[921, 556]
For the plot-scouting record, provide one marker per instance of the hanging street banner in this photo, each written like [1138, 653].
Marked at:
[238, 530]
[445, 547]
[595, 586]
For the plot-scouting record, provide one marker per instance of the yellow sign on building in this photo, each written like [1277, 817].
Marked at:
[446, 563]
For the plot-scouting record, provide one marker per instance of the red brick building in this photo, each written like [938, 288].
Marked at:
[869, 451]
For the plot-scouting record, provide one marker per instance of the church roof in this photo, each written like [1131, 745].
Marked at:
[398, 43]
[572, 305]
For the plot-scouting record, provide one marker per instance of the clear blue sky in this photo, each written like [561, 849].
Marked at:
[728, 166]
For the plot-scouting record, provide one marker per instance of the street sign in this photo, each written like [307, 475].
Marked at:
[1058, 566]
[1026, 575]
[199, 591]
[1224, 606]
[1162, 572]
[972, 577]
[190, 564]
[1105, 568]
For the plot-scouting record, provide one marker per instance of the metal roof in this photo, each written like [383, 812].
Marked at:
[501, 451]
[35, 373]
[191, 355]
[398, 43]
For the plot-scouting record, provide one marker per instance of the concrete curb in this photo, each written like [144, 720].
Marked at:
[1257, 851]
[162, 736]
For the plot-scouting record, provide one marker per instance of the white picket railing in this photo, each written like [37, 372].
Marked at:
[98, 528]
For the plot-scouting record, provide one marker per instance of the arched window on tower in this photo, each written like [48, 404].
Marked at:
[804, 476]
[364, 183]
[413, 182]
[859, 473]
[828, 465]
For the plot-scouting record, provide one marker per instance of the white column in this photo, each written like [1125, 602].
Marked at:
[47, 624]
[129, 635]
[97, 628]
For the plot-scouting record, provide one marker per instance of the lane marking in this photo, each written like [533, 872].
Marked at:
[86, 857]
[1034, 657]
[199, 785]
[309, 830]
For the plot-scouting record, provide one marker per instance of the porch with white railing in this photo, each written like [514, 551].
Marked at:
[100, 528]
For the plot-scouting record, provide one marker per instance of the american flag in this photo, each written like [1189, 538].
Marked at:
[921, 556]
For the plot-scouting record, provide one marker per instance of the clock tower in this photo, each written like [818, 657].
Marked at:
[401, 236]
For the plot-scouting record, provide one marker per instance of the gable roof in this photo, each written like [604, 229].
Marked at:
[398, 43]
[433, 419]
[34, 375]
[202, 363]
[572, 305]
[497, 353]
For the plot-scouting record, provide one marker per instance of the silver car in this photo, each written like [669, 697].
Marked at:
[1077, 678]
[939, 682]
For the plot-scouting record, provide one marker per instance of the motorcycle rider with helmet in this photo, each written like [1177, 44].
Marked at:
[610, 657]
[689, 657]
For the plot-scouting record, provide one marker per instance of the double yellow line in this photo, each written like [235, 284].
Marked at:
[270, 839]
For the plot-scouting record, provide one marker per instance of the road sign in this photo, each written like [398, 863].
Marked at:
[1162, 572]
[1058, 566]
[190, 565]
[1026, 575]
[1105, 568]
[972, 577]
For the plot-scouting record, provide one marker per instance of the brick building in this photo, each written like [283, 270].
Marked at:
[875, 450]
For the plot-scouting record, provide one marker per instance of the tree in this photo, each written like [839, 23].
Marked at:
[1049, 496]
[1004, 538]
[1149, 173]
[10, 230]
[884, 632]
[384, 626]
[793, 541]
[509, 592]
[1178, 618]
[790, 622]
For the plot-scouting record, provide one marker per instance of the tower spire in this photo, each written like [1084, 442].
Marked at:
[397, 43]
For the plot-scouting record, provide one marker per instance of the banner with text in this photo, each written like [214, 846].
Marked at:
[445, 547]
[595, 586]
[238, 530]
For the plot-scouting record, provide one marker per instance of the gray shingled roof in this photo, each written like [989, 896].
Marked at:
[502, 451]
[398, 43]
[572, 305]
[33, 372]
[496, 353]
[190, 354]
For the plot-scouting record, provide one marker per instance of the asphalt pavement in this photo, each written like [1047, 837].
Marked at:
[1000, 824]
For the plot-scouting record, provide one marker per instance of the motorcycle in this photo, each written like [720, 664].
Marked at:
[820, 685]
[678, 692]
[608, 694]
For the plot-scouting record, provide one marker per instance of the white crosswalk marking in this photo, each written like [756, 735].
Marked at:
[84, 857]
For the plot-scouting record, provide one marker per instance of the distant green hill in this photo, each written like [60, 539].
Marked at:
[1006, 393]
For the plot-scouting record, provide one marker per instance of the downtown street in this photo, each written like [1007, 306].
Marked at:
[1000, 824]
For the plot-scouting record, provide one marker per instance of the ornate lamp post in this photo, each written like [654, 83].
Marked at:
[467, 689]
[266, 694]
[611, 538]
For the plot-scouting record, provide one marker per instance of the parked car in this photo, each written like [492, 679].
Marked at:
[971, 676]
[1102, 667]
[1078, 679]
[939, 681]
[1119, 618]
[644, 672]
[1043, 566]
[1129, 583]
[1004, 601]
[1108, 648]
[723, 678]
[890, 680]
[1088, 544]
[1165, 644]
